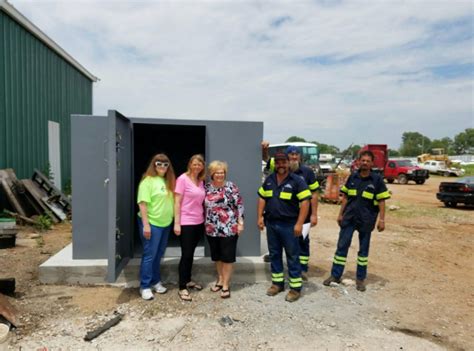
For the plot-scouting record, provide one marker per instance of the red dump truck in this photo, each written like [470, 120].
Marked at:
[380, 152]
[400, 170]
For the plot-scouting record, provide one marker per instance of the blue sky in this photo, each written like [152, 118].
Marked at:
[333, 71]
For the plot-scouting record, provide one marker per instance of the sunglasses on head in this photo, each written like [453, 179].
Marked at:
[161, 164]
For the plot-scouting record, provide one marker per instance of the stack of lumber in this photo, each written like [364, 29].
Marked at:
[37, 196]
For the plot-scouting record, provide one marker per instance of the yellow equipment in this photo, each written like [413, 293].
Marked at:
[436, 155]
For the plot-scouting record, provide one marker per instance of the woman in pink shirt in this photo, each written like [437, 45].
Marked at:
[189, 220]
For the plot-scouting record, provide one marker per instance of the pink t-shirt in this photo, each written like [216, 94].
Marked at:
[192, 203]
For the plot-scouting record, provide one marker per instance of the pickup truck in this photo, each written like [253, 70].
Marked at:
[440, 168]
[404, 171]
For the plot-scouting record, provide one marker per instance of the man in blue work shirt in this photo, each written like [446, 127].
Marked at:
[364, 196]
[307, 174]
[282, 207]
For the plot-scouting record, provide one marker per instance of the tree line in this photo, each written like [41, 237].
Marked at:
[413, 144]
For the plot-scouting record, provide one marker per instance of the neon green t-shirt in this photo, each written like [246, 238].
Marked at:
[159, 201]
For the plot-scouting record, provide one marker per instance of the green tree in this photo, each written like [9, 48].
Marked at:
[464, 141]
[351, 151]
[393, 153]
[326, 148]
[293, 139]
[414, 143]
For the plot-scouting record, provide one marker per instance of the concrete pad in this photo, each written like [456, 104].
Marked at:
[63, 269]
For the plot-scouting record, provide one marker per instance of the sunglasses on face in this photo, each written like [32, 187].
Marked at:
[162, 164]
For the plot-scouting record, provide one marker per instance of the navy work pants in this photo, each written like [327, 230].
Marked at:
[343, 244]
[304, 252]
[280, 235]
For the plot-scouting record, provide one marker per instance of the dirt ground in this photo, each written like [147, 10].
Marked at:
[419, 294]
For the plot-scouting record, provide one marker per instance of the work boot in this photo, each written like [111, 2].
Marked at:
[292, 295]
[274, 289]
[360, 284]
[266, 258]
[330, 280]
[304, 276]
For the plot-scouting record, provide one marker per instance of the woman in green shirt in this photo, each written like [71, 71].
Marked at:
[156, 202]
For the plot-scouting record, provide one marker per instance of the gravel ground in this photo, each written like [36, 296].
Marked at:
[325, 318]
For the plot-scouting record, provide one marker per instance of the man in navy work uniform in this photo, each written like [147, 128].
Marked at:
[364, 196]
[282, 207]
[307, 174]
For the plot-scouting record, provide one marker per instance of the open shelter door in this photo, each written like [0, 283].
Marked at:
[121, 204]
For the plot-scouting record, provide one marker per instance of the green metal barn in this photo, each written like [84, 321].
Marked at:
[41, 85]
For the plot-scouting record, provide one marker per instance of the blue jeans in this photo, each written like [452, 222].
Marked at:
[280, 235]
[343, 244]
[153, 251]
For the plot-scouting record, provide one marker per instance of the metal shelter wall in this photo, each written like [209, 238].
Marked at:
[94, 158]
[36, 85]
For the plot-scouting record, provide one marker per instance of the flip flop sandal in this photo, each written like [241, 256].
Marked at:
[216, 288]
[225, 293]
[193, 285]
[184, 295]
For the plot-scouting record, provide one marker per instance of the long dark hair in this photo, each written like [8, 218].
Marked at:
[170, 177]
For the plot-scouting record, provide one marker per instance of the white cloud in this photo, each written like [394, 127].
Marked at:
[225, 60]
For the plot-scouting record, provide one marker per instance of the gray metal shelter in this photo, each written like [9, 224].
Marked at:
[110, 154]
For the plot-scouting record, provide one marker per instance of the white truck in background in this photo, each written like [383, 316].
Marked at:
[440, 168]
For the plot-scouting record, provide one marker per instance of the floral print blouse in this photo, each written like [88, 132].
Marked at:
[224, 207]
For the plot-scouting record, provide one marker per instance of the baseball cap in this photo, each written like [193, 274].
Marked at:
[293, 149]
[281, 156]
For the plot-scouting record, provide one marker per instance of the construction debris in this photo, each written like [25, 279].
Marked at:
[7, 286]
[7, 311]
[20, 217]
[33, 197]
[226, 320]
[109, 324]
[8, 232]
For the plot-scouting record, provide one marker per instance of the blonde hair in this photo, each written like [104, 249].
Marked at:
[199, 158]
[169, 175]
[214, 166]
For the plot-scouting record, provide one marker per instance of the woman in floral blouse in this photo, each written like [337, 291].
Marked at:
[224, 223]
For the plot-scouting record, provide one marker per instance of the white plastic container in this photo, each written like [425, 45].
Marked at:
[7, 223]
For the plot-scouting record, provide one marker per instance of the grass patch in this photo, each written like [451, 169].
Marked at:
[412, 211]
[409, 211]
[469, 170]
[44, 223]
[39, 241]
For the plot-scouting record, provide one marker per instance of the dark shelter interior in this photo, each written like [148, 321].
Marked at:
[178, 142]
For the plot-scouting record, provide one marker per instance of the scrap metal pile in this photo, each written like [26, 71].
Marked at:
[28, 198]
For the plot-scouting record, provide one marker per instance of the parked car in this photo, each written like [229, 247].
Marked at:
[460, 191]
[440, 168]
[404, 171]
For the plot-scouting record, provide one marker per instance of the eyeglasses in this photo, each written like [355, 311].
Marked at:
[162, 164]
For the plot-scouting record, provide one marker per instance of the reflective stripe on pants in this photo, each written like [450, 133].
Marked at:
[280, 235]
[343, 244]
